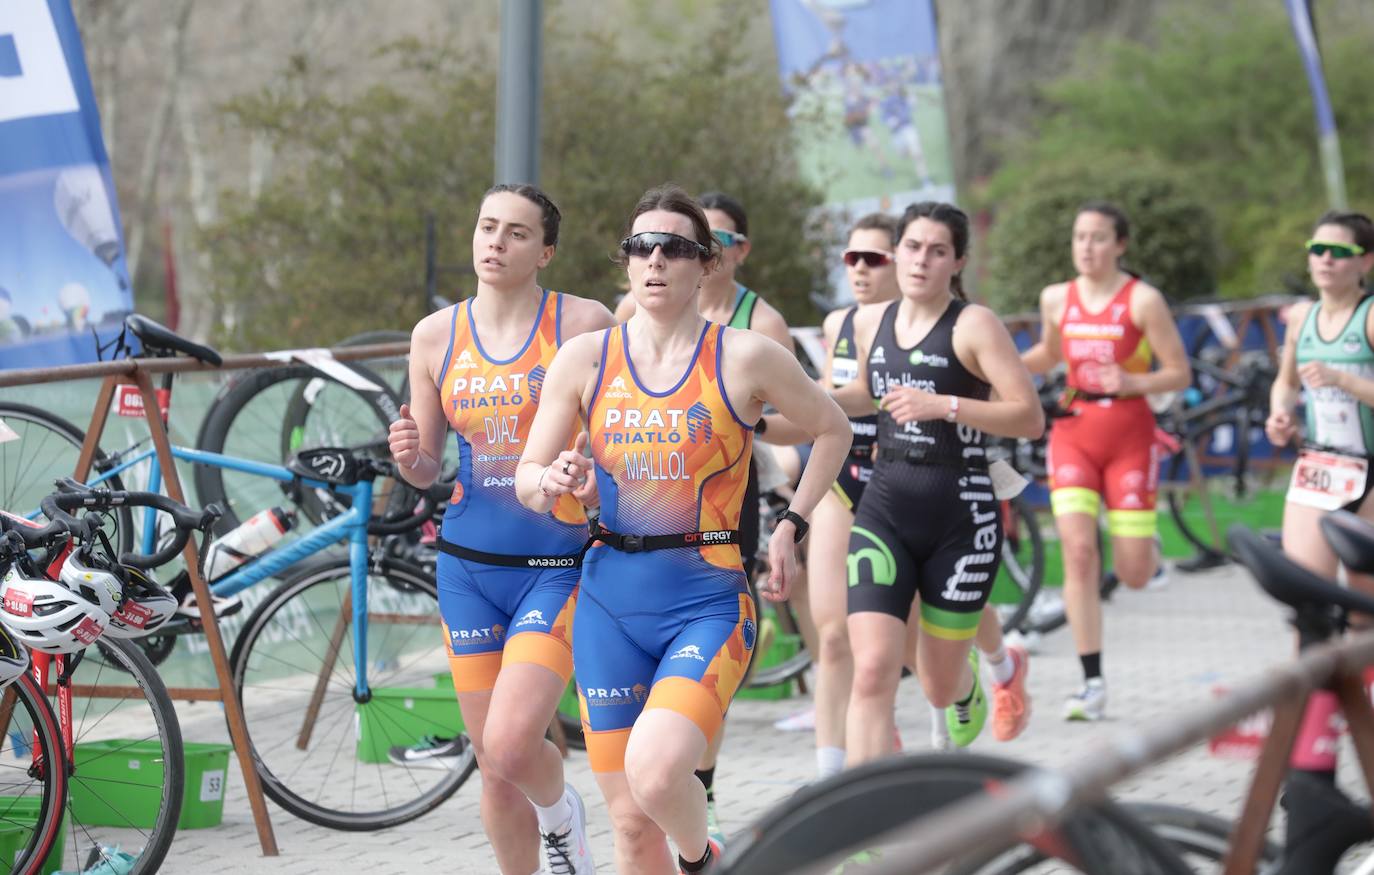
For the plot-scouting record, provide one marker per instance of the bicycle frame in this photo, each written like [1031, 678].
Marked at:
[350, 525]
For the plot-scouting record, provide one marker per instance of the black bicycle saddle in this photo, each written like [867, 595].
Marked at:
[1290, 583]
[161, 340]
[1352, 538]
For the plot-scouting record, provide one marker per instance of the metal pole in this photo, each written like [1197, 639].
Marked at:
[1333, 169]
[518, 91]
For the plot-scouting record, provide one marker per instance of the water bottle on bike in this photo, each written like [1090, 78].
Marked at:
[250, 538]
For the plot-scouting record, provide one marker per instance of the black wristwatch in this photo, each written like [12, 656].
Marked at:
[797, 520]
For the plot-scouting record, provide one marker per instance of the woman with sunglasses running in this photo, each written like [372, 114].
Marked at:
[925, 544]
[1108, 327]
[726, 301]
[1328, 352]
[665, 624]
[507, 576]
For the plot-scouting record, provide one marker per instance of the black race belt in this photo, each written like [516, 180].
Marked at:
[645, 543]
[921, 457]
[572, 561]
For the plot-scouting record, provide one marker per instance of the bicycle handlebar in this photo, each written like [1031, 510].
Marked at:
[72, 495]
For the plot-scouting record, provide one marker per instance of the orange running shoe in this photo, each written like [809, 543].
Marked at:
[1011, 704]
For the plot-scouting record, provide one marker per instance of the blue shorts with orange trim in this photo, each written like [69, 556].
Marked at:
[650, 636]
[496, 616]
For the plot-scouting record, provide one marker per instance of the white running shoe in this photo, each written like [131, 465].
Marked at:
[1089, 703]
[566, 851]
[802, 721]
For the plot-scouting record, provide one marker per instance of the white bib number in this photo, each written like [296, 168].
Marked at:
[843, 371]
[1327, 481]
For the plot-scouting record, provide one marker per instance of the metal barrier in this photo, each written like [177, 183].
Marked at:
[1042, 797]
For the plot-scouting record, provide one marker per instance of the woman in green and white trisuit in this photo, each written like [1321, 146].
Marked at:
[1328, 352]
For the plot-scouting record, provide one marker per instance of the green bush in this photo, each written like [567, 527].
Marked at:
[335, 244]
[1173, 244]
[1219, 102]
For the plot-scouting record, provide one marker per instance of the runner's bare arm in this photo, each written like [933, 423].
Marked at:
[1046, 352]
[983, 343]
[769, 322]
[853, 397]
[625, 309]
[1282, 425]
[417, 440]
[581, 315]
[780, 431]
[547, 468]
[1173, 374]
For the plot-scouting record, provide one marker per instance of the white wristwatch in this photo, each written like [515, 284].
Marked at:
[953, 413]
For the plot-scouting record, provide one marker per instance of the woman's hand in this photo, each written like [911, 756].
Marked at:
[404, 439]
[782, 562]
[570, 471]
[909, 404]
[1280, 427]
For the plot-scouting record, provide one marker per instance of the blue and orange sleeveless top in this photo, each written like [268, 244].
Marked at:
[674, 461]
[490, 403]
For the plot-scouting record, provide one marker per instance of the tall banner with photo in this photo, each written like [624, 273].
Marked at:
[64, 285]
[867, 103]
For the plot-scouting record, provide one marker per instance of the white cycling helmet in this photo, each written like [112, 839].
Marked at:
[14, 659]
[147, 606]
[48, 616]
[91, 578]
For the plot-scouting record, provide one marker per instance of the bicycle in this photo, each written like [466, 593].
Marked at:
[855, 813]
[320, 614]
[1228, 466]
[109, 805]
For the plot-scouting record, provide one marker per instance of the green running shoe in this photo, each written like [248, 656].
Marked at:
[966, 721]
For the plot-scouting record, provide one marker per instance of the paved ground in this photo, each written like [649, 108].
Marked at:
[1166, 651]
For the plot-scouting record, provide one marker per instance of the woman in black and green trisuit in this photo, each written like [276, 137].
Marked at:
[1328, 352]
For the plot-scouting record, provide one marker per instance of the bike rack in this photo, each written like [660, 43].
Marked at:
[136, 372]
[1041, 797]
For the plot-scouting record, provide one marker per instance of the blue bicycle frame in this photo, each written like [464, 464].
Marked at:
[350, 525]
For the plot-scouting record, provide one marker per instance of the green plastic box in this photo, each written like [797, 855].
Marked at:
[20, 814]
[129, 774]
[403, 716]
[784, 647]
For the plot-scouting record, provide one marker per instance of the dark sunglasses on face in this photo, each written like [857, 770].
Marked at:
[1337, 250]
[643, 244]
[728, 238]
[870, 257]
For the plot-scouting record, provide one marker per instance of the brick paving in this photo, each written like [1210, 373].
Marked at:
[1166, 650]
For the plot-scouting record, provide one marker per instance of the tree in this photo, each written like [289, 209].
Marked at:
[1172, 242]
[1218, 101]
[333, 244]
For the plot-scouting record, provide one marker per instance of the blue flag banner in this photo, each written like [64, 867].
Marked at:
[64, 284]
[867, 103]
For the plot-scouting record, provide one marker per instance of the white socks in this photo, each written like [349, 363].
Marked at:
[829, 761]
[556, 815]
[1000, 667]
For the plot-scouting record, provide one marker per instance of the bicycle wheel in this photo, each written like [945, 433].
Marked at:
[1240, 480]
[396, 369]
[322, 751]
[268, 415]
[33, 797]
[1200, 838]
[128, 774]
[854, 810]
[1023, 564]
[48, 448]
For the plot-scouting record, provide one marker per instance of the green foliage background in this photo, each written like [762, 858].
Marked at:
[1206, 134]
[335, 245]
